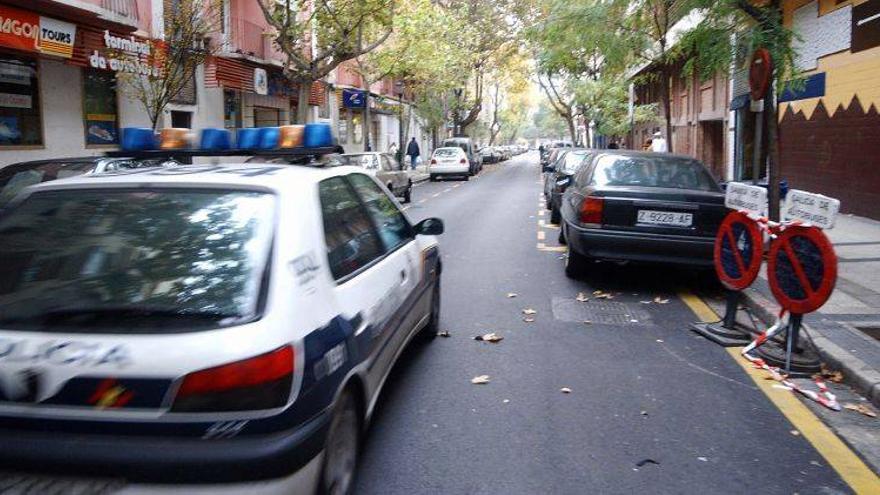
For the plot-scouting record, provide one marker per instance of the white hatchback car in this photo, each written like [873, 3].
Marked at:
[204, 329]
[449, 161]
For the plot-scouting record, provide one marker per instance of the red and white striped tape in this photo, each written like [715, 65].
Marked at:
[823, 396]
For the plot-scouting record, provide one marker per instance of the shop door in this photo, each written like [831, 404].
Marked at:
[267, 117]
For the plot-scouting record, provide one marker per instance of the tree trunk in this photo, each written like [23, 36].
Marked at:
[667, 106]
[367, 143]
[772, 129]
[572, 130]
[302, 106]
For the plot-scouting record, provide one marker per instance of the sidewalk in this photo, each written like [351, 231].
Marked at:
[420, 174]
[846, 330]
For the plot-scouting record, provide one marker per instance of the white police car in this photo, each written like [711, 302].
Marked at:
[203, 329]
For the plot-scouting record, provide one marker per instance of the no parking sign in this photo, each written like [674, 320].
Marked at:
[738, 249]
[802, 269]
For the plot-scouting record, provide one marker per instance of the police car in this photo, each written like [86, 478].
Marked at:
[204, 328]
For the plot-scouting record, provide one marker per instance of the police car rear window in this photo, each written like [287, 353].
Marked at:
[138, 261]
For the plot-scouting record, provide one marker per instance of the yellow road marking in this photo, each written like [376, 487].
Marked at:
[541, 213]
[541, 235]
[851, 469]
[554, 249]
[544, 225]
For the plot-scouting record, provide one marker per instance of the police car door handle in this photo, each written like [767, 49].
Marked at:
[402, 276]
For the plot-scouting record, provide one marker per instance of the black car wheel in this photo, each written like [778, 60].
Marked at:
[407, 195]
[467, 177]
[561, 237]
[341, 449]
[575, 263]
[555, 216]
[432, 178]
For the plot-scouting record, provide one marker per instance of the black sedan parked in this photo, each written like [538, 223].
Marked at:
[638, 206]
[559, 177]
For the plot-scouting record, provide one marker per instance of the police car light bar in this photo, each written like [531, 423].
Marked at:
[284, 141]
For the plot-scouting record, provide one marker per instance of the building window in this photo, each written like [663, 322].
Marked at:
[20, 117]
[232, 109]
[99, 107]
[181, 120]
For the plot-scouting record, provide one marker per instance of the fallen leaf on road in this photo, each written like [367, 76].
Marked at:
[795, 433]
[489, 337]
[588, 322]
[660, 300]
[506, 401]
[480, 380]
[511, 295]
[528, 319]
[633, 321]
[645, 302]
[703, 459]
[862, 409]
[565, 390]
[644, 413]
[529, 311]
[646, 461]
[444, 333]
[832, 376]
[581, 297]
[603, 295]
[660, 340]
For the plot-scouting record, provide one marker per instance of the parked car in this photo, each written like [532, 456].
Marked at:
[207, 328]
[466, 145]
[489, 154]
[15, 177]
[554, 160]
[385, 168]
[639, 206]
[560, 178]
[449, 162]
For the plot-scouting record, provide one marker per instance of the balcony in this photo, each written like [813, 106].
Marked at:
[249, 39]
[123, 8]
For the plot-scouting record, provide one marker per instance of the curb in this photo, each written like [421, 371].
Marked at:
[855, 371]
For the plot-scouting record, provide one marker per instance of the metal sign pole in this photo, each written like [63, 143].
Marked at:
[758, 109]
[792, 335]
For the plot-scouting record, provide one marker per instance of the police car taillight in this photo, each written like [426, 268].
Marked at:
[261, 382]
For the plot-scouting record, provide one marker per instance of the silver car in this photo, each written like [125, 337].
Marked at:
[385, 168]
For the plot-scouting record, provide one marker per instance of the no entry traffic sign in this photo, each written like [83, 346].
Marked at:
[802, 269]
[760, 72]
[738, 248]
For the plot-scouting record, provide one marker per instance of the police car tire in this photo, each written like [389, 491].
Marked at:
[433, 326]
[575, 263]
[342, 448]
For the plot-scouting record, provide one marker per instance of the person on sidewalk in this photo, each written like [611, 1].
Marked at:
[413, 152]
[658, 144]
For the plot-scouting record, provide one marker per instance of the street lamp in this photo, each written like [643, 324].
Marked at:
[398, 86]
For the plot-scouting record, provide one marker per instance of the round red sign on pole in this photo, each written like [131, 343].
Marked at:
[802, 269]
[760, 72]
[738, 248]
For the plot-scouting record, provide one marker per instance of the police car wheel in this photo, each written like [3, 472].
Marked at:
[341, 450]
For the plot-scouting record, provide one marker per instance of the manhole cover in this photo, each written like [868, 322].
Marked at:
[599, 312]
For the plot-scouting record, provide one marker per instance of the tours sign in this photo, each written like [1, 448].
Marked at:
[23, 30]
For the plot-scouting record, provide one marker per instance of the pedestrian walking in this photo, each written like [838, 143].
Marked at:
[658, 144]
[413, 152]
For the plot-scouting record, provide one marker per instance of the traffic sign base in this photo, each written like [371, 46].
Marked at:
[738, 336]
[804, 364]
[727, 332]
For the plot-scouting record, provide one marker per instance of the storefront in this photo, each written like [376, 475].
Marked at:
[59, 93]
[253, 95]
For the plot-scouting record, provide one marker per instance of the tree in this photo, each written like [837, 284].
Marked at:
[421, 50]
[156, 79]
[562, 100]
[318, 35]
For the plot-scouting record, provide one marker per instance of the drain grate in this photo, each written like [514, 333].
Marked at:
[599, 312]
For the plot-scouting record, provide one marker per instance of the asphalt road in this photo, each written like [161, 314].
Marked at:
[653, 408]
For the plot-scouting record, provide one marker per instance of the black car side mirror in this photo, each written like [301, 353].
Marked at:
[547, 168]
[429, 226]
